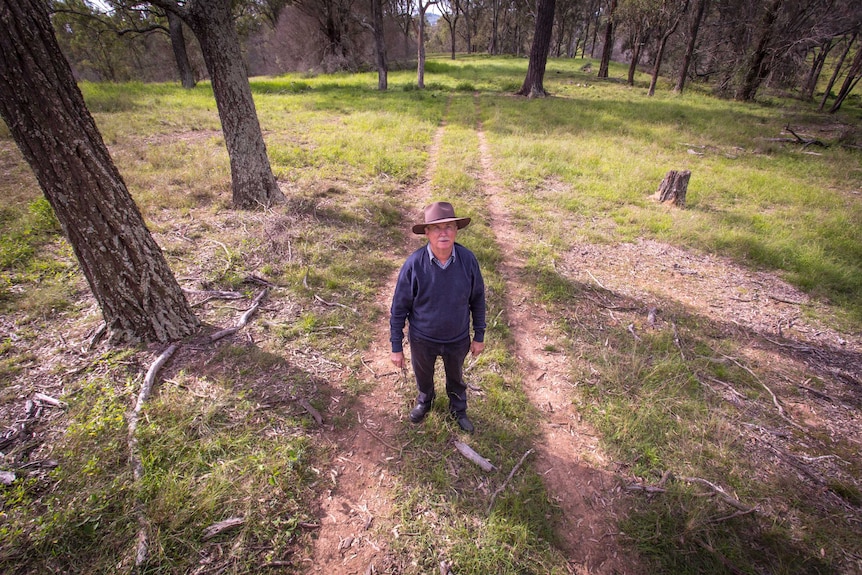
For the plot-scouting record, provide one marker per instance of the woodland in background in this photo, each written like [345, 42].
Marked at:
[737, 47]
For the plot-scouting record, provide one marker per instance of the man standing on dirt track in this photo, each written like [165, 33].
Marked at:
[440, 288]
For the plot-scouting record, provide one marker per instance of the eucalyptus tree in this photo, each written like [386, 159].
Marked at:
[423, 6]
[379, 44]
[253, 184]
[41, 104]
[668, 15]
[608, 47]
[695, 19]
[450, 11]
[636, 19]
[533, 86]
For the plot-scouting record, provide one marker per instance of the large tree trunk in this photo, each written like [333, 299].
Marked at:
[608, 48]
[534, 81]
[693, 30]
[252, 181]
[181, 55]
[379, 45]
[45, 111]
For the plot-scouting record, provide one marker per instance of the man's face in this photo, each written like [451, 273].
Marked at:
[441, 236]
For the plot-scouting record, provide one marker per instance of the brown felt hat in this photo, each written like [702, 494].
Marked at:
[440, 213]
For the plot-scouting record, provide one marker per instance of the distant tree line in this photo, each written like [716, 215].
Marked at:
[736, 46]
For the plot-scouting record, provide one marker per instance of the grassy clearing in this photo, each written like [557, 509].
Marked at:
[222, 437]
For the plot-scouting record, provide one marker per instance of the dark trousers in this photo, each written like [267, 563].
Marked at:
[423, 356]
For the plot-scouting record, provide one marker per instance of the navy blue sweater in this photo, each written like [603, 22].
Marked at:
[438, 302]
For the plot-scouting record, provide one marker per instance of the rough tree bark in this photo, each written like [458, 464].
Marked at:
[45, 111]
[252, 181]
[533, 86]
[608, 48]
[674, 187]
[379, 45]
[181, 55]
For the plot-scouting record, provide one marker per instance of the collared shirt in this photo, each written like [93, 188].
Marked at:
[441, 265]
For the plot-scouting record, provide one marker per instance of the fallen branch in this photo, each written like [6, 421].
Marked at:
[313, 412]
[722, 494]
[508, 479]
[334, 303]
[805, 141]
[380, 439]
[243, 320]
[221, 527]
[470, 454]
[597, 281]
[134, 456]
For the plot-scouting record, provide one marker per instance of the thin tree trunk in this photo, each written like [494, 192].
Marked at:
[181, 55]
[608, 48]
[662, 44]
[379, 45]
[637, 47]
[816, 68]
[836, 72]
[420, 40]
[46, 114]
[853, 76]
[692, 43]
[534, 82]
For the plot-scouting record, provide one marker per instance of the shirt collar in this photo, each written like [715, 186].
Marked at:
[442, 265]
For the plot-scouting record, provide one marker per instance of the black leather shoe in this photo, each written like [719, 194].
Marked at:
[418, 413]
[464, 422]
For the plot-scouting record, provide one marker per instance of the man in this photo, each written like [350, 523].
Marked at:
[440, 288]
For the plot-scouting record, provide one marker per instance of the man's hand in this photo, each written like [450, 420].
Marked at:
[477, 347]
[397, 357]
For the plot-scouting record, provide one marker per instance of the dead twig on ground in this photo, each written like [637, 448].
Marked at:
[774, 398]
[243, 320]
[508, 479]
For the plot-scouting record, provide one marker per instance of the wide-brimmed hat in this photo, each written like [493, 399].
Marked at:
[440, 213]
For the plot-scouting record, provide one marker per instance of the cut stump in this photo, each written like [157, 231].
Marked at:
[674, 187]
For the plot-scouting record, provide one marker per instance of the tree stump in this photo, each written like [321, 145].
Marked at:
[673, 187]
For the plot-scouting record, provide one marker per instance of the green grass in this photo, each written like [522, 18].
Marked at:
[578, 167]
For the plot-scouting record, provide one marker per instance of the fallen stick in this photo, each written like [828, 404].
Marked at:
[221, 527]
[722, 494]
[470, 454]
[134, 457]
[243, 320]
[47, 399]
[313, 412]
[508, 479]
